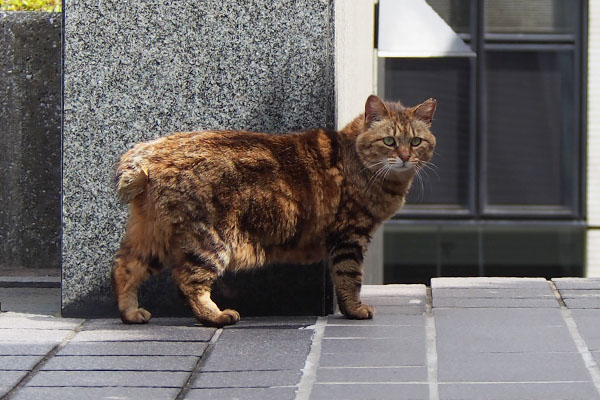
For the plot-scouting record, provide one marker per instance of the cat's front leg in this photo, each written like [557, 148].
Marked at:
[346, 270]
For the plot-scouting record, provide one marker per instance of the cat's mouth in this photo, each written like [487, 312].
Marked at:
[399, 165]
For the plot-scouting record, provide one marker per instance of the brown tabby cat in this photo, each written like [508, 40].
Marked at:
[204, 202]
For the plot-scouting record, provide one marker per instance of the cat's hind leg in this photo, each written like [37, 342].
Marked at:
[195, 276]
[128, 272]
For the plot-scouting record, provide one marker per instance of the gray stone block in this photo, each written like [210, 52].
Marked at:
[372, 375]
[394, 345]
[264, 335]
[147, 332]
[374, 332]
[519, 391]
[133, 349]
[361, 391]
[588, 324]
[18, 363]
[451, 302]
[54, 336]
[580, 293]
[276, 393]
[109, 378]
[249, 348]
[44, 301]
[379, 319]
[247, 379]
[489, 282]
[511, 367]
[24, 321]
[121, 363]
[410, 357]
[25, 349]
[8, 379]
[583, 302]
[577, 283]
[136, 73]
[498, 317]
[292, 321]
[494, 293]
[93, 393]
[30, 100]
[224, 362]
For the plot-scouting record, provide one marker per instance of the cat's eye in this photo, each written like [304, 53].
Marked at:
[389, 141]
[415, 141]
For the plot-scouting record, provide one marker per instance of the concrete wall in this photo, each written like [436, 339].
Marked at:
[136, 72]
[593, 142]
[30, 161]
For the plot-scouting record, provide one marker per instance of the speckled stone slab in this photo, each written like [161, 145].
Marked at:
[136, 72]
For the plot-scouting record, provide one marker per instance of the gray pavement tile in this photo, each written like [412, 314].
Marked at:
[511, 367]
[274, 393]
[44, 301]
[265, 334]
[577, 283]
[121, 363]
[453, 302]
[109, 378]
[248, 348]
[393, 345]
[395, 391]
[258, 361]
[374, 332]
[501, 318]
[145, 333]
[411, 357]
[393, 290]
[583, 302]
[293, 321]
[33, 321]
[115, 323]
[379, 319]
[8, 379]
[372, 375]
[19, 363]
[95, 393]
[247, 379]
[494, 293]
[33, 335]
[385, 310]
[488, 282]
[133, 349]
[577, 293]
[25, 349]
[519, 391]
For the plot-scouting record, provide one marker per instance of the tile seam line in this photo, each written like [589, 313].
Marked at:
[40, 364]
[431, 349]
[187, 386]
[582, 347]
[309, 372]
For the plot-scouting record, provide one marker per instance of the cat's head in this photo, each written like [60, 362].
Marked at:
[396, 138]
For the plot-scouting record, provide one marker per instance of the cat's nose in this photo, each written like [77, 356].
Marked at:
[404, 157]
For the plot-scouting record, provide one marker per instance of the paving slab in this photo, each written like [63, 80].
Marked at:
[133, 349]
[519, 391]
[12, 320]
[511, 367]
[489, 282]
[25, 349]
[8, 379]
[145, 333]
[45, 301]
[121, 363]
[19, 363]
[577, 283]
[385, 345]
[381, 318]
[247, 379]
[275, 393]
[578, 293]
[498, 317]
[453, 302]
[364, 391]
[109, 378]
[494, 293]
[95, 393]
[410, 357]
[374, 332]
[33, 335]
[582, 302]
[372, 375]
[218, 361]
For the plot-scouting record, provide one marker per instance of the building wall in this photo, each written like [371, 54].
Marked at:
[593, 141]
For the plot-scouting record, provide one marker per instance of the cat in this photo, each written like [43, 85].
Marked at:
[205, 202]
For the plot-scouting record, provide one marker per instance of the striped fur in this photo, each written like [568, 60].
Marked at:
[206, 202]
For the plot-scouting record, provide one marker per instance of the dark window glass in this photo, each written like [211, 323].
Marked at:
[413, 81]
[456, 13]
[531, 16]
[531, 137]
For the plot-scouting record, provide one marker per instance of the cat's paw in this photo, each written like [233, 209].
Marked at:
[363, 311]
[227, 317]
[136, 316]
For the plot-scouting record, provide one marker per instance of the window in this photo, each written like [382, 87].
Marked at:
[510, 126]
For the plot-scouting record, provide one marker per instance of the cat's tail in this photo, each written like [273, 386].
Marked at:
[132, 174]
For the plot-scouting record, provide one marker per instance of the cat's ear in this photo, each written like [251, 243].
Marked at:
[375, 110]
[425, 111]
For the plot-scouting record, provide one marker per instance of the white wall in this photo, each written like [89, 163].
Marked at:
[354, 28]
[593, 144]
